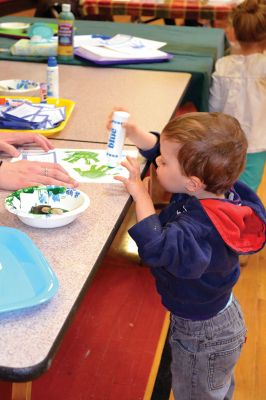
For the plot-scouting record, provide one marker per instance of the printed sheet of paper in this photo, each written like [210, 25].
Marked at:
[88, 165]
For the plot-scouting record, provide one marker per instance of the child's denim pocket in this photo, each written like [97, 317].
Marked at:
[222, 361]
[204, 354]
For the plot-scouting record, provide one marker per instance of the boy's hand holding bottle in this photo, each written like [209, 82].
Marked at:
[134, 185]
[143, 140]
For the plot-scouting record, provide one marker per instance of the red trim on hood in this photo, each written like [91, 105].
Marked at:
[239, 226]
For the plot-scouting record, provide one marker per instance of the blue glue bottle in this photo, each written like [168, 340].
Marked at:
[52, 78]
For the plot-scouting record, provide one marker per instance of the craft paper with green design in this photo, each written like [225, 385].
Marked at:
[83, 165]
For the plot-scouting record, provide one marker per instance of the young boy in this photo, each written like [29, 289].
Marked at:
[192, 247]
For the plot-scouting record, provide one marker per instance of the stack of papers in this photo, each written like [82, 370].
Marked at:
[121, 49]
[25, 115]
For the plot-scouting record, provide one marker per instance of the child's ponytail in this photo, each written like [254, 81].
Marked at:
[249, 21]
[250, 6]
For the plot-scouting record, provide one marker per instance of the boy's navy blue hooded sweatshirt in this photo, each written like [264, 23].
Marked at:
[193, 246]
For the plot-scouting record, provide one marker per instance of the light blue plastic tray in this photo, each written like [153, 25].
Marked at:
[26, 278]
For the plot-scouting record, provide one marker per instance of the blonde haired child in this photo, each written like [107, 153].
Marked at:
[239, 85]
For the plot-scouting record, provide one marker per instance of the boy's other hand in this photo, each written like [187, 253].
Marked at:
[133, 183]
[137, 188]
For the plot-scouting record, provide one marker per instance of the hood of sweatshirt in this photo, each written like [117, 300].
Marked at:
[240, 219]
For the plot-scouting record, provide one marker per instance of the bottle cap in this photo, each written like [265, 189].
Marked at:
[66, 7]
[52, 62]
[40, 29]
[121, 116]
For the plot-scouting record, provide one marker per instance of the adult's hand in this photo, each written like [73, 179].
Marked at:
[8, 139]
[24, 173]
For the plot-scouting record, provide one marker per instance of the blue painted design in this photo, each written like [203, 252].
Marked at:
[42, 197]
[69, 192]
[55, 197]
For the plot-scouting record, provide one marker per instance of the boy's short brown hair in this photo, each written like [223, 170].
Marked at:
[249, 21]
[213, 148]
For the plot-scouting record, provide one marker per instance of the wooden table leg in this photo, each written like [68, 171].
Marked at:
[21, 391]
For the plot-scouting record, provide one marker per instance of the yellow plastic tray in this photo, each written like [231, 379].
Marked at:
[69, 104]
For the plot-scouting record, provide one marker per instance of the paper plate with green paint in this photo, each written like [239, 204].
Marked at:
[47, 206]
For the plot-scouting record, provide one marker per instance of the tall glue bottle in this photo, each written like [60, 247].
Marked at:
[65, 33]
[116, 138]
[52, 78]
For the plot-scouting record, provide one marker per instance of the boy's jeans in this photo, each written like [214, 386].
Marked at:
[204, 354]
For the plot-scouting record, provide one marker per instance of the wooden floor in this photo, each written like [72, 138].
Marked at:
[251, 293]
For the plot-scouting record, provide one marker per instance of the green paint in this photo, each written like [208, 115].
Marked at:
[17, 193]
[94, 171]
[87, 156]
[32, 189]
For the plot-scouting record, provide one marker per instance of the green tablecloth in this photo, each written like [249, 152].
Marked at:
[195, 50]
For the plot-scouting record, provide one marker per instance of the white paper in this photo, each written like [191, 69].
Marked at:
[80, 40]
[113, 54]
[122, 47]
[36, 118]
[121, 43]
[97, 162]
[132, 44]
[55, 115]
[23, 110]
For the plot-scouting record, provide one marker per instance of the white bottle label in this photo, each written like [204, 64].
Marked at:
[116, 138]
[52, 82]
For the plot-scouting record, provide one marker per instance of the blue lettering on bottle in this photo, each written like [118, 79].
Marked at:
[111, 143]
[112, 155]
[116, 122]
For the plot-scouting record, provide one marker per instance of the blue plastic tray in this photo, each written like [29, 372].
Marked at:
[26, 278]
